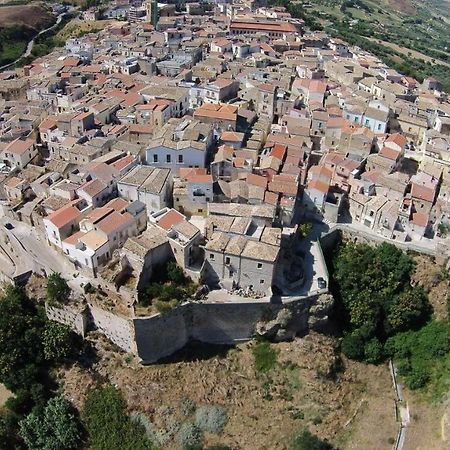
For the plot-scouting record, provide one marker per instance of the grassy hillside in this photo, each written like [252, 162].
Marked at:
[18, 24]
[420, 31]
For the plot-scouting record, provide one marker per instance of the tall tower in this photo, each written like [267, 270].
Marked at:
[152, 12]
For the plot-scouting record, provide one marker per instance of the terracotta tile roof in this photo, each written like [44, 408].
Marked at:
[121, 163]
[49, 123]
[420, 219]
[200, 179]
[213, 111]
[232, 136]
[186, 172]
[422, 193]
[64, 215]
[281, 27]
[257, 180]
[13, 182]
[398, 139]
[279, 151]
[19, 146]
[318, 185]
[114, 221]
[169, 219]
[321, 171]
[271, 198]
[118, 204]
[390, 153]
[93, 187]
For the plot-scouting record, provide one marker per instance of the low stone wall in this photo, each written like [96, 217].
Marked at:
[348, 232]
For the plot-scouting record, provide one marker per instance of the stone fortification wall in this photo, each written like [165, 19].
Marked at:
[220, 323]
[158, 336]
[76, 319]
[117, 329]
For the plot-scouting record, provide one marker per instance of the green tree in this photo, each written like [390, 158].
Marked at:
[373, 351]
[20, 336]
[375, 298]
[408, 310]
[175, 274]
[305, 440]
[57, 341]
[353, 346]
[56, 427]
[57, 289]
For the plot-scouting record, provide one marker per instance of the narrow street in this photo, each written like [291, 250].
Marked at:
[29, 252]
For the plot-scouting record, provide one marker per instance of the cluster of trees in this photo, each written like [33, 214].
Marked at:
[376, 298]
[31, 346]
[13, 42]
[383, 315]
[419, 354]
[169, 287]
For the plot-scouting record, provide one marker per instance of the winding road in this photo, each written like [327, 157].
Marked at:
[30, 45]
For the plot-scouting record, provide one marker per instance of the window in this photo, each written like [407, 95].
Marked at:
[259, 266]
[155, 158]
[168, 158]
[180, 159]
[211, 256]
[227, 260]
[261, 281]
[379, 126]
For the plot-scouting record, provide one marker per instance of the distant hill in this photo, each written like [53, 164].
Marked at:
[34, 16]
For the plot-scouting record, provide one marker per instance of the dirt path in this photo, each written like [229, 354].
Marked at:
[4, 395]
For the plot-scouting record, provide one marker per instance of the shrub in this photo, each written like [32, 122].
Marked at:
[189, 436]
[57, 288]
[57, 341]
[308, 441]
[211, 418]
[187, 406]
[373, 351]
[163, 307]
[108, 423]
[265, 356]
[55, 427]
[353, 346]
[174, 273]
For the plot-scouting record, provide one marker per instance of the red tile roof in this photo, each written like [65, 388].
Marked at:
[64, 215]
[318, 185]
[171, 218]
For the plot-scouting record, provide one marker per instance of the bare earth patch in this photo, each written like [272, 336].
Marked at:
[4, 395]
[435, 280]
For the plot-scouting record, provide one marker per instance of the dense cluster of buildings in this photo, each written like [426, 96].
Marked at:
[207, 135]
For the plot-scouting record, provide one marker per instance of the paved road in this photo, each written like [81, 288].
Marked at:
[30, 252]
[30, 44]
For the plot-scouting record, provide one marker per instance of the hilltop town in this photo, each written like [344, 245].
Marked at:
[227, 138]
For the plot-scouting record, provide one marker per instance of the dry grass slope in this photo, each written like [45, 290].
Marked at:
[34, 16]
